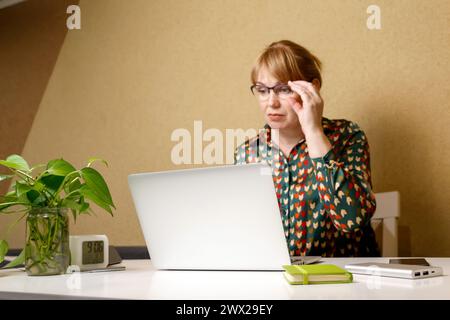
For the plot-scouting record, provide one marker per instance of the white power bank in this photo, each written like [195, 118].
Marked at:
[394, 270]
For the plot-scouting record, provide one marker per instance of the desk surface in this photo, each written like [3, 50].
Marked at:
[141, 281]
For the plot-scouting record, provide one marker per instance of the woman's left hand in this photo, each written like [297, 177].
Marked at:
[310, 107]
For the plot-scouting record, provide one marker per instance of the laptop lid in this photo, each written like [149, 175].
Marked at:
[215, 218]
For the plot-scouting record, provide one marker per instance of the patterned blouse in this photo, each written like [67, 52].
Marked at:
[325, 203]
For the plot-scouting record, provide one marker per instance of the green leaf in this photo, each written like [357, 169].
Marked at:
[26, 193]
[11, 193]
[92, 160]
[78, 205]
[9, 197]
[41, 165]
[60, 167]
[21, 188]
[3, 249]
[38, 186]
[5, 176]
[9, 200]
[51, 182]
[84, 207]
[71, 203]
[97, 185]
[88, 193]
[20, 259]
[74, 185]
[15, 161]
[35, 197]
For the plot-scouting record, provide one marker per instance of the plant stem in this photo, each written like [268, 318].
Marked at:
[70, 193]
[23, 174]
[46, 241]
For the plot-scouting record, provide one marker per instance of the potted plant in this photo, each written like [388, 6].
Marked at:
[44, 199]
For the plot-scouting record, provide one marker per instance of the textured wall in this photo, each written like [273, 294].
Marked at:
[137, 70]
[31, 35]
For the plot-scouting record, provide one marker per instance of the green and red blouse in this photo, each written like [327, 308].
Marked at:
[325, 203]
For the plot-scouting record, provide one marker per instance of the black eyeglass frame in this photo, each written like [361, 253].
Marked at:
[269, 88]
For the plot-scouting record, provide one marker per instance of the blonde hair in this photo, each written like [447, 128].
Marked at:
[287, 60]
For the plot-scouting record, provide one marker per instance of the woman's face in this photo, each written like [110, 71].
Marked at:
[277, 111]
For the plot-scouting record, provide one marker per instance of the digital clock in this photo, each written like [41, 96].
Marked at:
[89, 252]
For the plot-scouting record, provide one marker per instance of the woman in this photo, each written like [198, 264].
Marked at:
[320, 167]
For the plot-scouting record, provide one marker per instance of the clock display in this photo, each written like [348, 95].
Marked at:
[93, 252]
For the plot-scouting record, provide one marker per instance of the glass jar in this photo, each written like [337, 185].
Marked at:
[47, 250]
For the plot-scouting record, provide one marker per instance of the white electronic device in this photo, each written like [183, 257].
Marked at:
[214, 218]
[89, 252]
[395, 270]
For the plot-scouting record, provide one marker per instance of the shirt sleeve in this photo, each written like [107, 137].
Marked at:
[239, 154]
[344, 182]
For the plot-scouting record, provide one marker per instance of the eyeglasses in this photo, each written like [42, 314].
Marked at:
[283, 91]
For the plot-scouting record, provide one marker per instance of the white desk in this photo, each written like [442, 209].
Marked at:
[141, 281]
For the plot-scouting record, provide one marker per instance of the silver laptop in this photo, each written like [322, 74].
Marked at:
[216, 218]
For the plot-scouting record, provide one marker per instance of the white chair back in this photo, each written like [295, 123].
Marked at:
[385, 222]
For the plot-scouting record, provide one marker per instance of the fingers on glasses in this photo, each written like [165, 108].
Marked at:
[304, 88]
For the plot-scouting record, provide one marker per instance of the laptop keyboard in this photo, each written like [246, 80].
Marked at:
[300, 260]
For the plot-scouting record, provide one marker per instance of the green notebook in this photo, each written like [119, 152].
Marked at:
[316, 274]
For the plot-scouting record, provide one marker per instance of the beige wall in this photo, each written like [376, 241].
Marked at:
[31, 35]
[137, 70]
